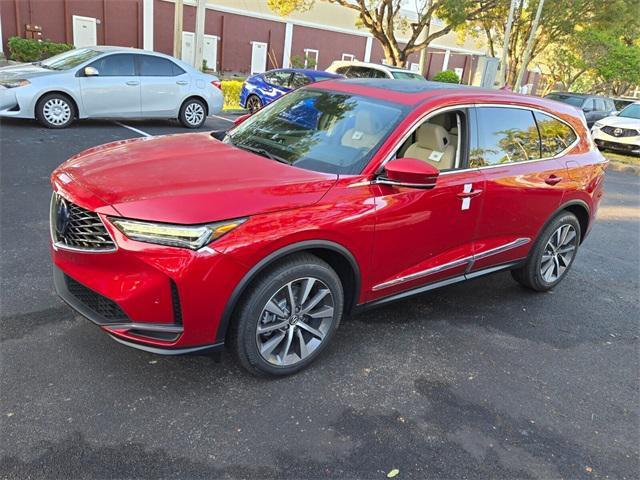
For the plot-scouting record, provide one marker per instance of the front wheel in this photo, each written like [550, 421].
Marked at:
[55, 110]
[552, 255]
[193, 113]
[254, 103]
[288, 316]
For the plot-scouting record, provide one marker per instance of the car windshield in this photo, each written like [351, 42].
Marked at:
[570, 99]
[632, 111]
[406, 75]
[323, 131]
[70, 59]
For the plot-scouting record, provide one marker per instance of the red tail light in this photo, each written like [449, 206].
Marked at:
[217, 84]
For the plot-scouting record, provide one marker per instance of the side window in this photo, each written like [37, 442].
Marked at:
[150, 66]
[588, 105]
[556, 136]
[300, 80]
[600, 106]
[377, 73]
[279, 79]
[342, 70]
[505, 135]
[119, 65]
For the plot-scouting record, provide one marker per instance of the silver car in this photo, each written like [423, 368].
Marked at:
[108, 82]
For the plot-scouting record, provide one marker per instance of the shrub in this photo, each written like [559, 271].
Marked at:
[231, 92]
[31, 50]
[446, 76]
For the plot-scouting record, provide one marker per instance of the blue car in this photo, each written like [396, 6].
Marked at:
[263, 88]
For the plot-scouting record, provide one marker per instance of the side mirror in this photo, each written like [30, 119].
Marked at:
[409, 172]
[587, 109]
[91, 72]
[241, 119]
[614, 113]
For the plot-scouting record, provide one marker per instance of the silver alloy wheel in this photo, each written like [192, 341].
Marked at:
[254, 104]
[558, 253]
[56, 111]
[295, 321]
[194, 113]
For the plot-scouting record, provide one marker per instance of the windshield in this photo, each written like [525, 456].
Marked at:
[406, 75]
[571, 100]
[323, 131]
[70, 59]
[632, 111]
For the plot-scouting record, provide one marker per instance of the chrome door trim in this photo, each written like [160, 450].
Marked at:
[149, 327]
[433, 113]
[469, 261]
[386, 181]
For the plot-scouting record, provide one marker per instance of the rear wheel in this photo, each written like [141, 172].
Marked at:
[254, 103]
[193, 113]
[55, 110]
[552, 255]
[288, 317]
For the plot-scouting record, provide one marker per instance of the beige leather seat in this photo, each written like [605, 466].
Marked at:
[364, 134]
[433, 145]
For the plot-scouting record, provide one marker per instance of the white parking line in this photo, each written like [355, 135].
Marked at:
[139, 132]
[221, 118]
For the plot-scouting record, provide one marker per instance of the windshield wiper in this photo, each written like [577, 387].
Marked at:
[261, 151]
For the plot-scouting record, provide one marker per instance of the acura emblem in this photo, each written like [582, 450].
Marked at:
[617, 132]
[63, 217]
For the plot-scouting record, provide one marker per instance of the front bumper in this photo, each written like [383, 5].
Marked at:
[623, 144]
[159, 299]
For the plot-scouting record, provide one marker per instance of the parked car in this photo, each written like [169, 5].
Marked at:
[108, 82]
[594, 107]
[357, 69]
[619, 132]
[339, 196]
[259, 90]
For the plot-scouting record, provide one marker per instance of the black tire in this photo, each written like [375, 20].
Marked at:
[243, 336]
[193, 113]
[55, 110]
[531, 274]
[254, 103]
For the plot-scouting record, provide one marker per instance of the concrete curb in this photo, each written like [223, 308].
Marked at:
[624, 167]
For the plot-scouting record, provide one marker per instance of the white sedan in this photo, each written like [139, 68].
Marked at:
[619, 132]
[108, 82]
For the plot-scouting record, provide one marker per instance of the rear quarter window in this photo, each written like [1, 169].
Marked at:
[556, 136]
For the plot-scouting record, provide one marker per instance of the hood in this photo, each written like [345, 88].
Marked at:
[24, 71]
[189, 179]
[622, 122]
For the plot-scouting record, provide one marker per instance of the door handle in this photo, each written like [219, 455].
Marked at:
[182, 82]
[133, 83]
[472, 194]
[552, 180]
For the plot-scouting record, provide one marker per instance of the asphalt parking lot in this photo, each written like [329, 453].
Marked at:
[477, 380]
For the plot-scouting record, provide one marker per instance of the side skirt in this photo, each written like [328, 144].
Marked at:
[432, 286]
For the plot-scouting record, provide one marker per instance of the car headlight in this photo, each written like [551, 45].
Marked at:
[187, 236]
[598, 125]
[14, 83]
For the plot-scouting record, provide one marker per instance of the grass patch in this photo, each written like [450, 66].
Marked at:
[621, 158]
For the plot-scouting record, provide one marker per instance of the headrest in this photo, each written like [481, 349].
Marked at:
[433, 137]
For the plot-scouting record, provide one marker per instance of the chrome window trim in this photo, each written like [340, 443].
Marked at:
[433, 113]
[469, 261]
[61, 246]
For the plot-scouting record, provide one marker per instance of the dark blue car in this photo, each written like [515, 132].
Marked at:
[263, 88]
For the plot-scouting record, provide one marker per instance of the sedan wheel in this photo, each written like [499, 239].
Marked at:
[558, 253]
[254, 104]
[193, 113]
[55, 111]
[288, 316]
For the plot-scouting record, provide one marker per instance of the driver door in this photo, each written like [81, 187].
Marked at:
[115, 91]
[425, 236]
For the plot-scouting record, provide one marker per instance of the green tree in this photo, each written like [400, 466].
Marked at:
[385, 20]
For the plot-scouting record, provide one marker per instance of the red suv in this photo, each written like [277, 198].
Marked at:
[338, 196]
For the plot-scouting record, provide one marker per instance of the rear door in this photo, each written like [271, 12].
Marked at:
[163, 86]
[278, 83]
[524, 184]
[115, 91]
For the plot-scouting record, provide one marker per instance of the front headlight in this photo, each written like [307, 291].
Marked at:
[14, 83]
[187, 236]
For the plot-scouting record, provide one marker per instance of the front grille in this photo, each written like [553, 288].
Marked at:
[105, 308]
[75, 227]
[619, 132]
